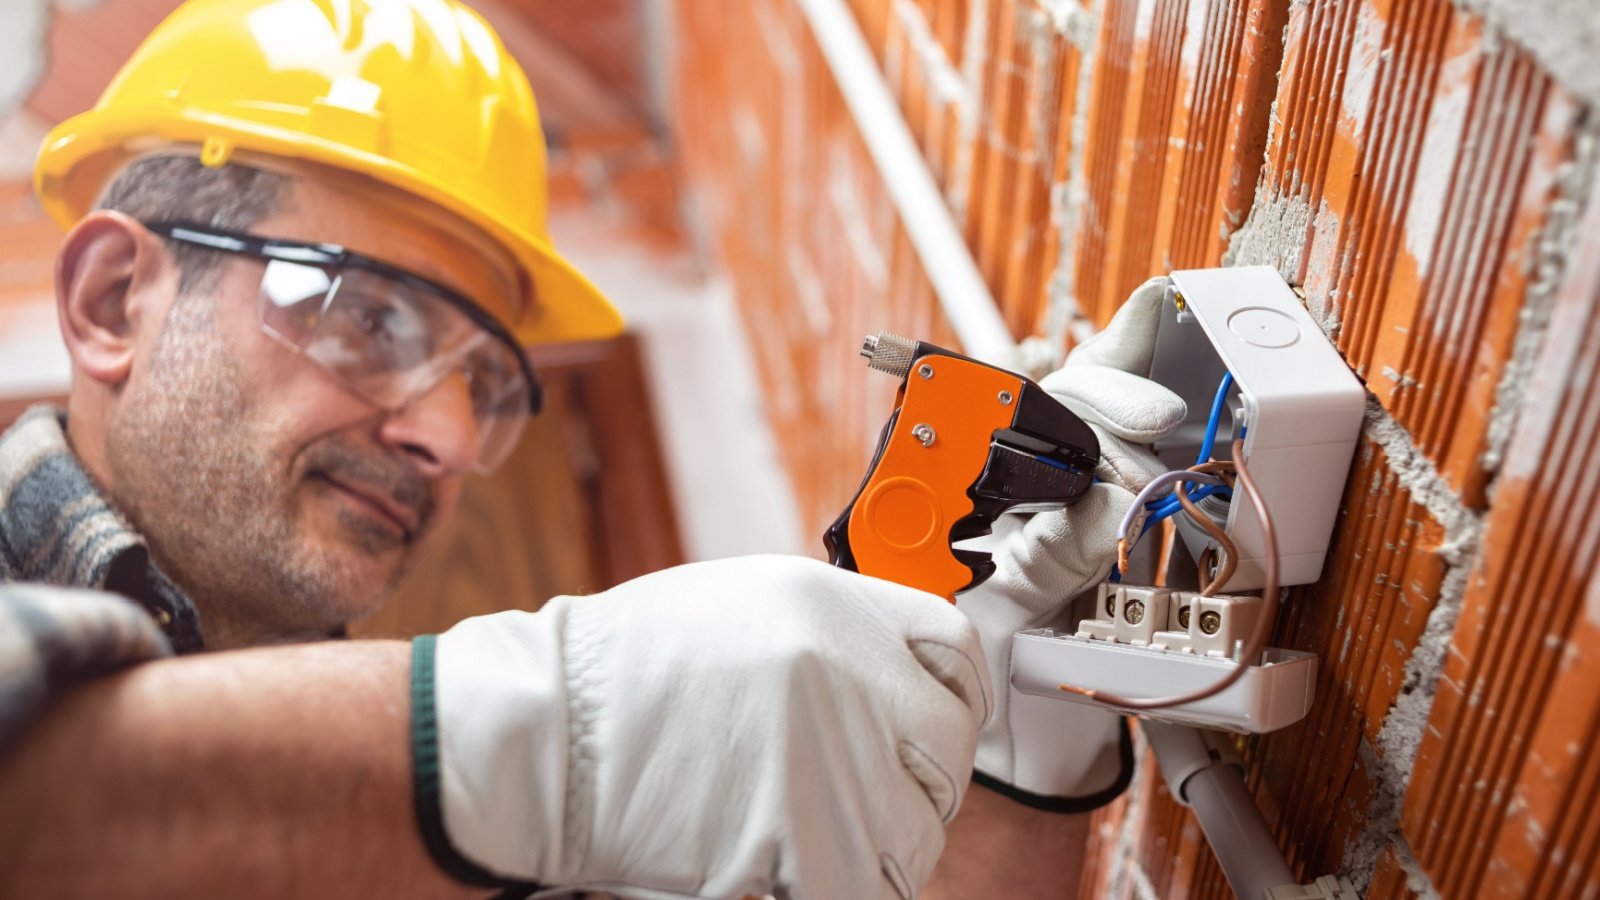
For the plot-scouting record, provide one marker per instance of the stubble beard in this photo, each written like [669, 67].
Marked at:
[219, 515]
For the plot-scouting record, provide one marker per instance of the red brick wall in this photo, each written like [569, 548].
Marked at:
[1423, 172]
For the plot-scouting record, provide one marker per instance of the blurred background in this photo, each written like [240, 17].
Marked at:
[1423, 171]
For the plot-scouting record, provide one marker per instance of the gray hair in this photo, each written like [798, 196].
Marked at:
[175, 187]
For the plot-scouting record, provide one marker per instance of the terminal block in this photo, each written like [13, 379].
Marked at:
[1152, 641]
[1180, 621]
[1133, 615]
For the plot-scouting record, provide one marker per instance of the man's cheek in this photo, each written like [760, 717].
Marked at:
[447, 499]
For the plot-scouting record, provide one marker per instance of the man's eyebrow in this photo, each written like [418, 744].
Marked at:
[510, 294]
[429, 271]
[433, 278]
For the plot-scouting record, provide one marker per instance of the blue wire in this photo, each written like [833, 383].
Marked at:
[1216, 418]
[1170, 505]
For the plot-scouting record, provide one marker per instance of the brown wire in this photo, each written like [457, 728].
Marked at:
[1258, 635]
[1209, 585]
[1206, 563]
[1221, 468]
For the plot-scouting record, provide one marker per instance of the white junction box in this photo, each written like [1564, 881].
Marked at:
[1298, 410]
[1274, 692]
[1295, 401]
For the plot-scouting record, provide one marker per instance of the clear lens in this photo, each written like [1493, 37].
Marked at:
[500, 400]
[391, 342]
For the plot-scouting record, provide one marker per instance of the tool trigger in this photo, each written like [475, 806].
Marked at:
[979, 563]
[974, 526]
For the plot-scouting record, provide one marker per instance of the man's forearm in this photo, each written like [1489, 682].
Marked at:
[278, 772]
[997, 847]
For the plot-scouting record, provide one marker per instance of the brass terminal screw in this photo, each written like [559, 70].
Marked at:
[1133, 612]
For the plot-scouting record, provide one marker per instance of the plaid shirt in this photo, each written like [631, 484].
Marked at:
[79, 594]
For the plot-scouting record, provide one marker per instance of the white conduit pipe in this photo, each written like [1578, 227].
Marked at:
[1228, 815]
[961, 289]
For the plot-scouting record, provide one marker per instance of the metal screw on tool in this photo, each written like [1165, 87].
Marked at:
[924, 433]
[1183, 617]
[1133, 612]
[1005, 398]
[889, 353]
[1111, 604]
[925, 370]
[1210, 621]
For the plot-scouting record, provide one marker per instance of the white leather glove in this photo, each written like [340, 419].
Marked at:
[761, 725]
[1049, 753]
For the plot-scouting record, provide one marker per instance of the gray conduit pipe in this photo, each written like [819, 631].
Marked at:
[1199, 778]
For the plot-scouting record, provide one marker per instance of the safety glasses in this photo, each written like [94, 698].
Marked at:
[388, 335]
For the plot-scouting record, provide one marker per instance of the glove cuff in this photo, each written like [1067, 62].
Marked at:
[427, 797]
[1080, 803]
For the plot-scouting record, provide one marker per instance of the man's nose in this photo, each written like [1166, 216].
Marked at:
[437, 431]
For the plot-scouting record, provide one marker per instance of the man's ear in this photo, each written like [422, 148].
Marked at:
[106, 274]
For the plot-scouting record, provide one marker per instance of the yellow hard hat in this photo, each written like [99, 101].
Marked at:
[418, 94]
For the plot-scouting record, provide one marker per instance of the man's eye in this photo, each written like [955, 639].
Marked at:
[384, 321]
[486, 382]
[374, 318]
[380, 332]
[479, 383]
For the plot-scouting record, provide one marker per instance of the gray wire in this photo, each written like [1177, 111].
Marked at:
[1136, 512]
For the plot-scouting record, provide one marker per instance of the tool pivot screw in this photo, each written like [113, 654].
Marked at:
[924, 433]
[1133, 612]
[1183, 617]
[1210, 621]
[1005, 398]
[925, 370]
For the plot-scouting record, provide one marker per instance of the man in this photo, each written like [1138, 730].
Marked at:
[306, 243]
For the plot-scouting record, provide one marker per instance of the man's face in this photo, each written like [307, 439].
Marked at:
[284, 503]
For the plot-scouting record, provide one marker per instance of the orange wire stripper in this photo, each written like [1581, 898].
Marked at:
[966, 442]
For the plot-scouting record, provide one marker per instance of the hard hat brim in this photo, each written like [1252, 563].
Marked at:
[80, 157]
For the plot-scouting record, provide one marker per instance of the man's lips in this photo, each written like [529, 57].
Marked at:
[406, 518]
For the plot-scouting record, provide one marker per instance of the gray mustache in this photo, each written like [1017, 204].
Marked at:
[379, 473]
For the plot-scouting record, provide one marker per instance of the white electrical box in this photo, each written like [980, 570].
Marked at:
[1297, 404]
[1298, 410]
